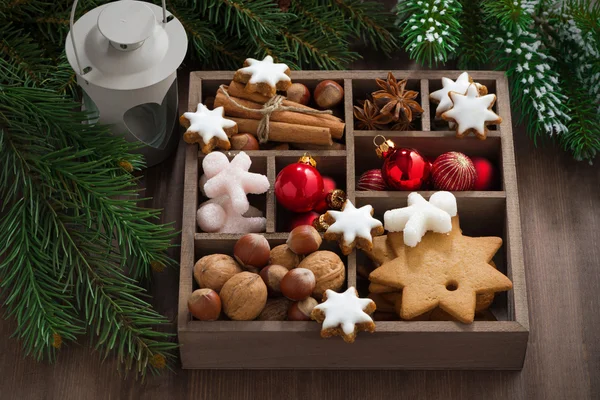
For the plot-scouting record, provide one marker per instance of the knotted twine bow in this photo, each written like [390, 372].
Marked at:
[275, 103]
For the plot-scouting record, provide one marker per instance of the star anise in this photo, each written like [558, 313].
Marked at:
[402, 125]
[395, 100]
[369, 118]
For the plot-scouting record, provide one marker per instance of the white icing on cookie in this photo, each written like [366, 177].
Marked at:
[353, 222]
[209, 124]
[344, 310]
[470, 111]
[265, 71]
[421, 216]
[441, 96]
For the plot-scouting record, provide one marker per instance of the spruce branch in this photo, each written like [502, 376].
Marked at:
[511, 14]
[472, 52]
[430, 28]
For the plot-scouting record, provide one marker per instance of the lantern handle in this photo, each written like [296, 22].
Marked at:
[72, 23]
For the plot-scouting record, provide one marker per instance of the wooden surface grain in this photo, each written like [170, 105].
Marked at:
[560, 220]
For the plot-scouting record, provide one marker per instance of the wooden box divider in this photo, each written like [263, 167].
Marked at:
[396, 344]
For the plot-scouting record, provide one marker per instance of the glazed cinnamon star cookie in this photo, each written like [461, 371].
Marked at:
[344, 314]
[264, 77]
[352, 227]
[445, 270]
[208, 128]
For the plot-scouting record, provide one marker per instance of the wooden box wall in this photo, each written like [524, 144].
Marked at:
[396, 344]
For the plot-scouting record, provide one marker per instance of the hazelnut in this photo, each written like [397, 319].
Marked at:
[329, 271]
[282, 255]
[298, 93]
[243, 141]
[244, 296]
[252, 251]
[275, 310]
[214, 270]
[205, 304]
[328, 94]
[272, 276]
[298, 284]
[304, 239]
[300, 310]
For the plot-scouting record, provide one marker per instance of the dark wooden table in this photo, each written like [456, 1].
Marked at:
[560, 202]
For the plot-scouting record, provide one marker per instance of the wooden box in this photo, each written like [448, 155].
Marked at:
[395, 345]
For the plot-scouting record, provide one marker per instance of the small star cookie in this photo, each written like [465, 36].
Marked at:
[352, 227]
[232, 179]
[264, 77]
[448, 85]
[443, 270]
[471, 112]
[421, 216]
[344, 314]
[208, 128]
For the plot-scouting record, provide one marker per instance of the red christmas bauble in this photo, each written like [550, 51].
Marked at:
[371, 180]
[306, 218]
[486, 173]
[299, 186]
[404, 169]
[328, 186]
[453, 171]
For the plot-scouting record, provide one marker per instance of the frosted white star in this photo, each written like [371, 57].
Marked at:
[265, 71]
[441, 96]
[353, 222]
[232, 179]
[470, 111]
[209, 123]
[421, 216]
[344, 310]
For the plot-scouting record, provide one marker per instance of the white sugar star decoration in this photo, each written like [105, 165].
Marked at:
[344, 314]
[265, 71]
[232, 179]
[441, 96]
[421, 216]
[472, 112]
[210, 126]
[353, 227]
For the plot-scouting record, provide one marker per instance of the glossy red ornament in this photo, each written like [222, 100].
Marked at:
[371, 180]
[486, 173]
[306, 218]
[328, 186]
[453, 171]
[403, 168]
[299, 186]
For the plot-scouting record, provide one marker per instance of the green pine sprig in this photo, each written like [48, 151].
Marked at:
[430, 28]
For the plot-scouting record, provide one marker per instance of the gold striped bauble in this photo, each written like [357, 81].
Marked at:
[453, 171]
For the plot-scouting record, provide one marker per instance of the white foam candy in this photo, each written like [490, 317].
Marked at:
[421, 216]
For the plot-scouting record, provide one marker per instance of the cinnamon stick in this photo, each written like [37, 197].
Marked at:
[336, 128]
[236, 89]
[308, 146]
[284, 132]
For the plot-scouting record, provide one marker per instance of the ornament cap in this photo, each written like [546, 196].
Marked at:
[307, 159]
[384, 146]
[336, 199]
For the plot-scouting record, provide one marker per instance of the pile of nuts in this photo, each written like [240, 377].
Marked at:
[283, 283]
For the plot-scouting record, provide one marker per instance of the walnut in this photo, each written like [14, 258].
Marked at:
[244, 296]
[329, 271]
[282, 255]
[275, 310]
[214, 270]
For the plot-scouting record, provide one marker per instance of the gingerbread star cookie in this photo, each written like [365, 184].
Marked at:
[264, 77]
[472, 112]
[445, 270]
[344, 314]
[208, 128]
[352, 227]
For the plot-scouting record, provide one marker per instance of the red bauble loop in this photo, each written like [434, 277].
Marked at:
[299, 187]
[404, 169]
[453, 171]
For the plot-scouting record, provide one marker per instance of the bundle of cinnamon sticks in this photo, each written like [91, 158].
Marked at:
[284, 126]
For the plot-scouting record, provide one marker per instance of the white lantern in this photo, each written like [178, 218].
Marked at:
[126, 55]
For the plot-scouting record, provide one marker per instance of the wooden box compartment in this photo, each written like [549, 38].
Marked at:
[497, 344]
